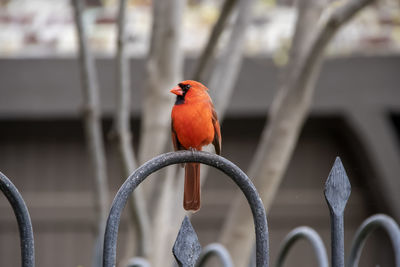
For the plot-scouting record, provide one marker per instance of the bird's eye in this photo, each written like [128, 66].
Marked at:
[185, 87]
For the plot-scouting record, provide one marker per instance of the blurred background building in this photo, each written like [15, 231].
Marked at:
[355, 115]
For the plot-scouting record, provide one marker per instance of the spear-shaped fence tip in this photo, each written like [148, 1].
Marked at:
[187, 248]
[337, 188]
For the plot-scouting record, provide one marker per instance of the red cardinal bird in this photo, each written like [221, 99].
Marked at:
[194, 124]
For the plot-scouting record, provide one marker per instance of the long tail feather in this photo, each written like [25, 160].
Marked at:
[191, 195]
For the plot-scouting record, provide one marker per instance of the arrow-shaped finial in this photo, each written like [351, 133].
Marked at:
[187, 247]
[337, 188]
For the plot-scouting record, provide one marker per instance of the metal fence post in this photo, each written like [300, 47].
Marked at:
[337, 192]
[232, 171]
[187, 248]
[23, 219]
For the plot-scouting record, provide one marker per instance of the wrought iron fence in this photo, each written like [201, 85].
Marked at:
[23, 219]
[187, 249]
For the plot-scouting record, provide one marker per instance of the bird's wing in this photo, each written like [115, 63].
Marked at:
[217, 132]
[175, 141]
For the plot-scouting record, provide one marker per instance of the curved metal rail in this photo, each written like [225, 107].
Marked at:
[367, 227]
[23, 219]
[230, 169]
[310, 235]
[217, 250]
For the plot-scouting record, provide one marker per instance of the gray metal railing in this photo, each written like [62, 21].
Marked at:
[230, 169]
[310, 235]
[218, 251]
[23, 218]
[366, 228]
[187, 249]
[337, 192]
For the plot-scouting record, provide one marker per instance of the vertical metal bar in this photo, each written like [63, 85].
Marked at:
[337, 192]
[337, 239]
[23, 219]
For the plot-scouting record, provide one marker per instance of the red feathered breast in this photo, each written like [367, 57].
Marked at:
[193, 125]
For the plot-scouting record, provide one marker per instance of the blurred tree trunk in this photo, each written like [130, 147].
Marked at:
[203, 66]
[227, 67]
[164, 68]
[288, 112]
[139, 223]
[93, 129]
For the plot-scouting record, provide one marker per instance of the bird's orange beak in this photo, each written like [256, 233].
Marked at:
[177, 90]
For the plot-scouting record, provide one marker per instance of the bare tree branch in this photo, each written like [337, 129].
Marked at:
[288, 112]
[203, 65]
[309, 12]
[92, 121]
[140, 222]
[228, 65]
